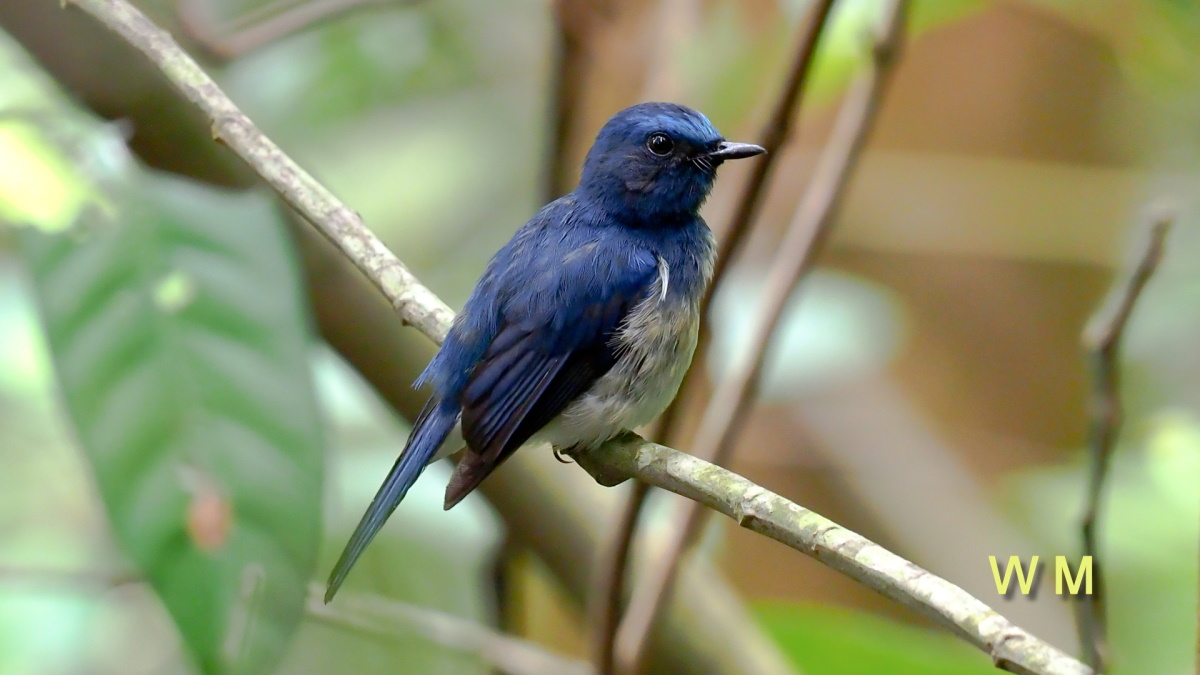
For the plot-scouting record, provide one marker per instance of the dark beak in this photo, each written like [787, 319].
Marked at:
[727, 150]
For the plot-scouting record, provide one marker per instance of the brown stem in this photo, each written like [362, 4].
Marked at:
[609, 582]
[1102, 343]
[776, 133]
[384, 617]
[727, 410]
[267, 25]
[574, 24]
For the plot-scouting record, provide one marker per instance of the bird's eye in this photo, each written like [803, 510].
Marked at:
[660, 144]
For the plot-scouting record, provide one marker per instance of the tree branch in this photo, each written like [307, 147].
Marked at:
[573, 23]
[369, 614]
[385, 617]
[734, 395]
[88, 579]
[416, 305]
[759, 510]
[1102, 343]
[263, 26]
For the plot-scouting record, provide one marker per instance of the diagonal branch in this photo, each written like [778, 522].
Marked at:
[760, 510]
[416, 305]
[1011, 648]
[731, 401]
[574, 22]
[776, 133]
[612, 570]
[369, 614]
[1102, 342]
[385, 617]
[261, 27]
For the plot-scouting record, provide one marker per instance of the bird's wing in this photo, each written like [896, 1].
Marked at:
[553, 343]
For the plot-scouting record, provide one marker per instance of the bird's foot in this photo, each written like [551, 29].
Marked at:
[563, 454]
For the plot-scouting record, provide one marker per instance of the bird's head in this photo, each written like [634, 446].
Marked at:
[655, 161]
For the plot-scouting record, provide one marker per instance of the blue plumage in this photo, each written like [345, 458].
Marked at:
[584, 322]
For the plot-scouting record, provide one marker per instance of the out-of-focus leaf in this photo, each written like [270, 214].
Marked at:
[833, 641]
[427, 557]
[834, 328]
[179, 337]
[40, 184]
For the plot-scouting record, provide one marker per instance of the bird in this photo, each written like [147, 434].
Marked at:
[582, 325]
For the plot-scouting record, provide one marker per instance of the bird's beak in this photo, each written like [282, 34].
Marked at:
[727, 150]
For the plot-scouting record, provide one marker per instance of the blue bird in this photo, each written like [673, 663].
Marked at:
[584, 323]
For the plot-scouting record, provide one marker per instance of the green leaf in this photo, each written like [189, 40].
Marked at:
[835, 641]
[179, 335]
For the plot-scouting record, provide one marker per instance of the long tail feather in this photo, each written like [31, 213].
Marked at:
[432, 426]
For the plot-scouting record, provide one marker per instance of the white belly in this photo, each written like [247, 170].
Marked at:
[655, 347]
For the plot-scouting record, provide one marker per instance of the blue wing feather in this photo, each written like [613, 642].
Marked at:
[551, 350]
[429, 431]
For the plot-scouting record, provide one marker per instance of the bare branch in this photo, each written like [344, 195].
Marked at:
[775, 135]
[760, 510]
[573, 23]
[369, 614]
[262, 27]
[734, 395]
[1102, 342]
[88, 579]
[416, 305]
[755, 508]
[611, 578]
[384, 617]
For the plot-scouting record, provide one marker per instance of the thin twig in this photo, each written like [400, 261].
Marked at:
[614, 566]
[264, 26]
[610, 579]
[727, 410]
[416, 304]
[574, 22]
[386, 618]
[628, 456]
[1102, 343]
[760, 510]
[98, 580]
[775, 135]
[367, 614]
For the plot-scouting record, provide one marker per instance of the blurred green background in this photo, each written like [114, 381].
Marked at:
[169, 411]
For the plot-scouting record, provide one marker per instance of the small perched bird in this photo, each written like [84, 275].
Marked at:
[584, 323]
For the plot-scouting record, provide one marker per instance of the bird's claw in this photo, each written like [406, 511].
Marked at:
[563, 455]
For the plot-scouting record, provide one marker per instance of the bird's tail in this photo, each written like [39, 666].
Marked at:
[430, 430]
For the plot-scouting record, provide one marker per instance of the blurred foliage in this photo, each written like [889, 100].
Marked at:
[180, 337]
[837, 328]
[180, 341]
[836, 641]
